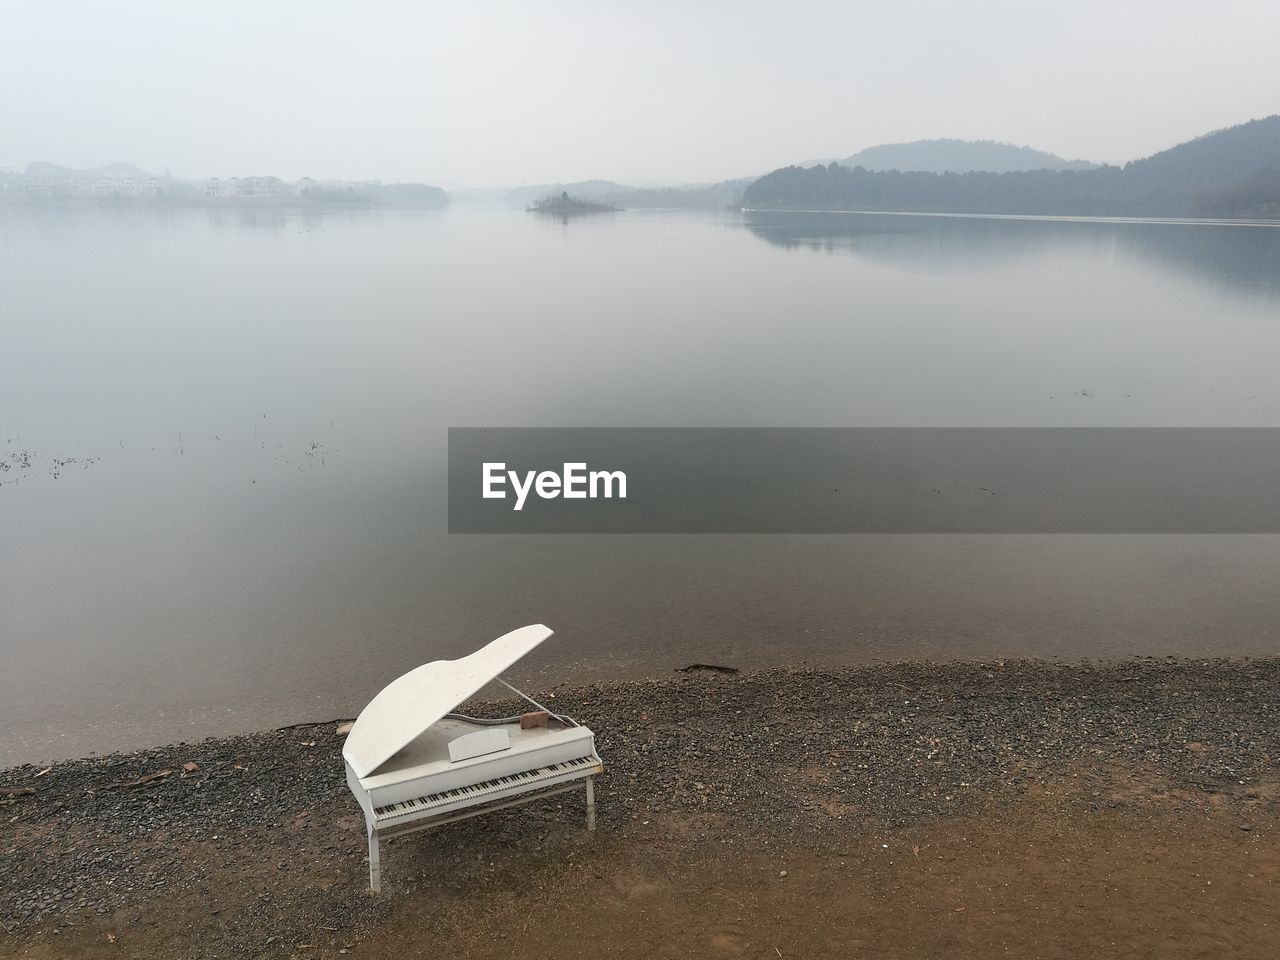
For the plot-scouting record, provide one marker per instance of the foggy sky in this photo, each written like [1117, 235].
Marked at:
[473, 94]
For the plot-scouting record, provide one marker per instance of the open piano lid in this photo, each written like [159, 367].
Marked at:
[411, 703]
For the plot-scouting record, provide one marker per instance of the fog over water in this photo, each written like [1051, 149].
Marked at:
[505, 93]
[223, 435]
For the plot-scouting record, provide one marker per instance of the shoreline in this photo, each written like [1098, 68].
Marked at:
[259, 849]
[1037, 217]
[148, 736]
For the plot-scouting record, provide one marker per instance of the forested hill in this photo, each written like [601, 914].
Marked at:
[1228, 173]
[1216, 159]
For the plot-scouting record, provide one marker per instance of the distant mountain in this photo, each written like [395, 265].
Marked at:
[1228, 173]
[42, 168]
[583, 189]
[415, 195]
[725, 193]
[479, 194]
[959, 156]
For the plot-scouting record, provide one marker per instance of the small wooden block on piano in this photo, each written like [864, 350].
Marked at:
[538, 718]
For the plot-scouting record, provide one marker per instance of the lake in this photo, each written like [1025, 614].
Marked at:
[223, 433]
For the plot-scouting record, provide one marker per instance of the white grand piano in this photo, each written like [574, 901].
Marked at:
[413, 764]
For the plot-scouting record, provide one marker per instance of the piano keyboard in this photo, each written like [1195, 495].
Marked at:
[476, 793]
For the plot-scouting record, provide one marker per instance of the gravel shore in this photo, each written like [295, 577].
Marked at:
[252, 845]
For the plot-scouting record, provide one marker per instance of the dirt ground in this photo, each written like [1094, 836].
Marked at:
[1123, 841]
[1039, 881]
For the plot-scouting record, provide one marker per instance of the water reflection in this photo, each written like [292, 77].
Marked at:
[1236, 259]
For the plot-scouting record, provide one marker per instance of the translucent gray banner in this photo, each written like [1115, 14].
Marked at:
[858, 480]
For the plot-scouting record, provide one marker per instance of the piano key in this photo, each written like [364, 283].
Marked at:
[461, 797]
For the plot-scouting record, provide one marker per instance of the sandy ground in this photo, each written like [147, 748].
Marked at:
[912, 810]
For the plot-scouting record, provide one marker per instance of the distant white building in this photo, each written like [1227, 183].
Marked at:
[261, 187]
[55, 188]
[247, 188]
[130, 188]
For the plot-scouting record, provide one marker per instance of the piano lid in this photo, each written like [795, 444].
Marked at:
[413, 702]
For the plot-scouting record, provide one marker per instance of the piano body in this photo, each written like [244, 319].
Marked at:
[413, 764]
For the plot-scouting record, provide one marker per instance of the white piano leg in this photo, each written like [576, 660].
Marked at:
[375, 870]
[591, 803]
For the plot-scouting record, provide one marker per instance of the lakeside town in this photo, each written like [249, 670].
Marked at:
[42, 182]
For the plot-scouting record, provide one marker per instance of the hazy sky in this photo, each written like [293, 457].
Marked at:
[472, 94]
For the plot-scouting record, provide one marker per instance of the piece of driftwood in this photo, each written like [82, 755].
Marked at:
[316, 723]
[149, 779]
[706, 666]
[17, 791]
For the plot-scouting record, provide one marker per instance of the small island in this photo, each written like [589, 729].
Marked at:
[565, 205]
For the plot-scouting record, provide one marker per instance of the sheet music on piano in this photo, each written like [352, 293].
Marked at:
[413, 764]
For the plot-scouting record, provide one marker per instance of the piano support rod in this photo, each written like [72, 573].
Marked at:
[536, 703]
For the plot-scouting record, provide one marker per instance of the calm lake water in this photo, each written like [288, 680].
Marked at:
[222, 499]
